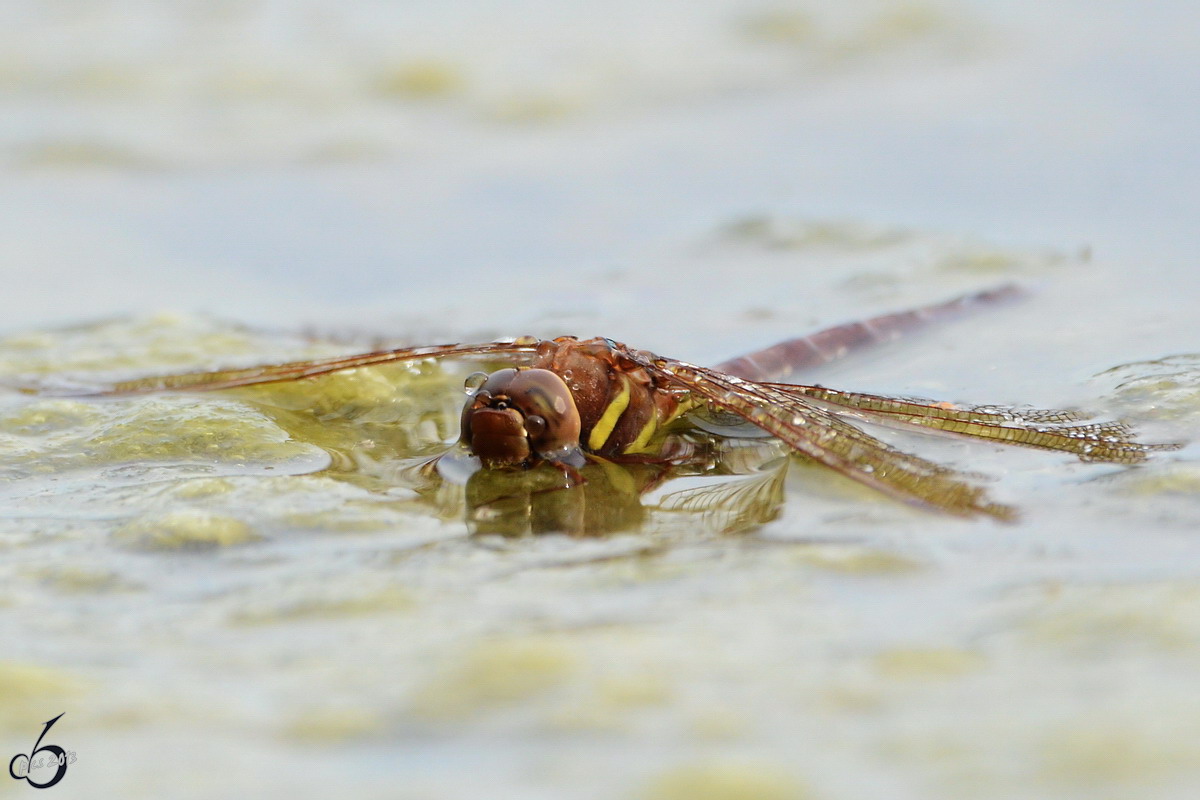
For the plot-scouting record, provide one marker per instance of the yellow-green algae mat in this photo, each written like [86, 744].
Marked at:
[218, 597]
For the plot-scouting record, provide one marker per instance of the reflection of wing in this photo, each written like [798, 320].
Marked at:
[1111, 442]
[812, 430]
[295, 370]
[732, 504]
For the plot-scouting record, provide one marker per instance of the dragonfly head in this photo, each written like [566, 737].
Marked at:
[515, 417]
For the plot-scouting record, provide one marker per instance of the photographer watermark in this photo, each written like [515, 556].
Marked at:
[34, 767]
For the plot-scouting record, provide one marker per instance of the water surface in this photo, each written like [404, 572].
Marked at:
[217, 598]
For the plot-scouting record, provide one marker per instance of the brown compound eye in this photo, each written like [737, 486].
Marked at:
[551, 418]
[515, 414]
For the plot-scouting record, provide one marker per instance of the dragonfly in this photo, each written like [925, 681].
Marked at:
[568, 401]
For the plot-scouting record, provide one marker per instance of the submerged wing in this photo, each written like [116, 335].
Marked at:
[1064, 431]
[295, 370]
[731, 505]
[816, 432]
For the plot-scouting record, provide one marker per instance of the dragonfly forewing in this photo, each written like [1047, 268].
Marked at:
[819, 434]
[296, 370]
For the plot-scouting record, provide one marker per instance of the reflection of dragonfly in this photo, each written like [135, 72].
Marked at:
[709, 484]
[567, 401]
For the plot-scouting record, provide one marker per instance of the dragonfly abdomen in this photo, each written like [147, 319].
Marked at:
[780, 361]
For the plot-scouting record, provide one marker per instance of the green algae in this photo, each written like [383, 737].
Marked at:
[185, 530]
[936, 256]
[927, 663]
[57, 436]
[312, 606]
[420, 80]
[792, 26]
[157, 429]
[496, 673]
[144, 452]
[776, 233]
[1164, 388]
[27, 690]
[868, 31]
[1156, 616]
[611, 703]
[156, 341]
[853, 560]
[725, 779]
[331, 725]
[83, 580]
[1180, 480]
[1104, 752]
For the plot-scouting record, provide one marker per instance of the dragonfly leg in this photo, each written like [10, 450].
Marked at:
[574, 476]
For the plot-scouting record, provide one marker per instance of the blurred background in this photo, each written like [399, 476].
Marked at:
[484, 162]
[699, 178]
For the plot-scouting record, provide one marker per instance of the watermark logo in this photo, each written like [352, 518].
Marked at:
[35, 767]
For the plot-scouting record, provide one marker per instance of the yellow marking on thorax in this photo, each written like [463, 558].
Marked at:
[642, 443]
[608, 420]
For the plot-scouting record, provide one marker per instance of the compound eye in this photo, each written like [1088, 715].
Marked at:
[535, 426]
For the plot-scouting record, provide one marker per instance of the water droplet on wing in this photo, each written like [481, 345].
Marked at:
[474, 381]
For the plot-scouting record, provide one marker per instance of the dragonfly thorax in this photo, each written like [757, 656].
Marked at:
[517, 417]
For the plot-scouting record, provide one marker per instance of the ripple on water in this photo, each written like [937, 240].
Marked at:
[1165, 388]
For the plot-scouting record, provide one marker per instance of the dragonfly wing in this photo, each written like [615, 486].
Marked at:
[816, 432]
[1063, 431]
[296, 370]
[734, 504]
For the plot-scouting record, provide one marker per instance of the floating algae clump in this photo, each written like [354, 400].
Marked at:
[724, 781]
[82, 580]
[55, 436]
[185, 530]
[854, 560]
[1165, 388]
[325, 606]
[420, 80]
[946, 662]
[1131, 751]
[496, 673]
[26, 690]
[1100, 619]
[316, 726]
